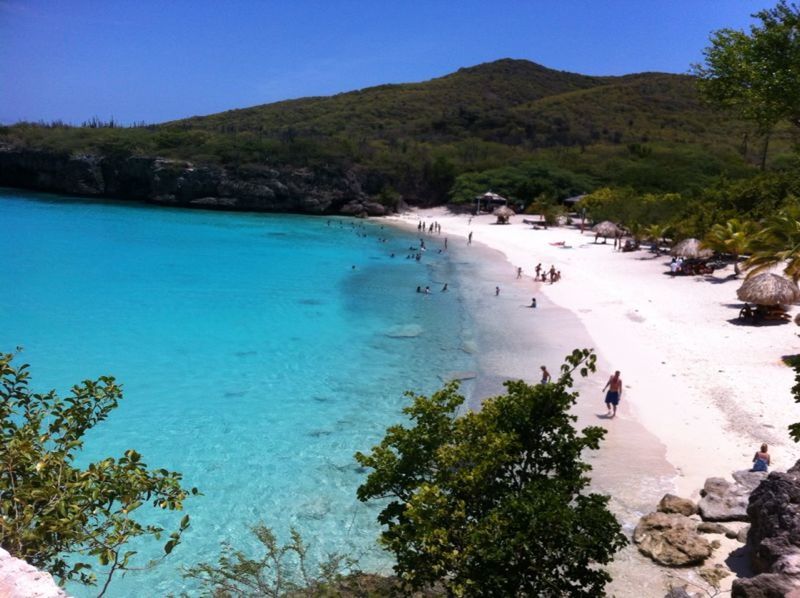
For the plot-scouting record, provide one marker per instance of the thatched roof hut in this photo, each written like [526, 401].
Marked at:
[691, 248]
[503, 213]
[607, 229]
[769, 289]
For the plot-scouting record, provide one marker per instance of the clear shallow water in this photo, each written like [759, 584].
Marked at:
[254, 358]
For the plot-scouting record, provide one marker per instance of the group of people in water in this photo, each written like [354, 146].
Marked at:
[427, 289]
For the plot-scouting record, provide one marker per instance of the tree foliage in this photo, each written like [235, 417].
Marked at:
[794, 429]
[521, 183]
[282, 570]
[777, 243]
[494, 503]
[55, 514]
[757, 74]
[734, 237]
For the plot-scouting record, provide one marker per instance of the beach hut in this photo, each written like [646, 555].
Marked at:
[769, 289]
[503, 213]
[571, 201]
[691, 248]
[606, 229]
[490, 200]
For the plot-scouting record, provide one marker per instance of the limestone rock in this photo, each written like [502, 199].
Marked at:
[766, 585]
[723, 501]
[741, 535]
[671, 539]
[675, 504]
[749, 479]
[774, 537]
[18, 579]
[353, 208]
[715, 486]
[680, 592]
[713, 575]
[373, 208]
[709, 527]
[324, 189]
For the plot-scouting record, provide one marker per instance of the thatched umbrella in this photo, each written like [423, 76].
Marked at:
[769, 289]
[691, 248]
[607, 229]
[503, 213]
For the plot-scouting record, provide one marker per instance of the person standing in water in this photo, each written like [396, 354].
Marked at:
[614, 386]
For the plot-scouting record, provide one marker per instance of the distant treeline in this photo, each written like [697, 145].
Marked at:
[511, 126]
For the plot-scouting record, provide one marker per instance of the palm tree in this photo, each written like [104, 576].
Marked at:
[778, 242]
[733, 237]
[656, 233]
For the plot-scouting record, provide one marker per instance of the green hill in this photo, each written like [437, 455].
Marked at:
[416, 138]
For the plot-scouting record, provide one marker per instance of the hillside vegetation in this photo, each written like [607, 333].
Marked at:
[649, 131]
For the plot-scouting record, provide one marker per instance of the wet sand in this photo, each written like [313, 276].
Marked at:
[701, 390]
[511, 341]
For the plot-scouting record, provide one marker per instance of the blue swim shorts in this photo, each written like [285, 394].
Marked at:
[612, 397]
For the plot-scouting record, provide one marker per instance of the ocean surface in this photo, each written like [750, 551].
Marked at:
[257, 353]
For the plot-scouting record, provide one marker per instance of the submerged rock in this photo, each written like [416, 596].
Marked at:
[404, 331]
[464, 375]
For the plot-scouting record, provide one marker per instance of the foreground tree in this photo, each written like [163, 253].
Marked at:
[757, 74]
[279, 571]
[494, 503]
[55, 513]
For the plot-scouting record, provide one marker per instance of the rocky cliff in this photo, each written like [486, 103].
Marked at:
[18, 579]
[177, 183]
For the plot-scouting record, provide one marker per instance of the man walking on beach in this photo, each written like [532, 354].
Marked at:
[614, 386]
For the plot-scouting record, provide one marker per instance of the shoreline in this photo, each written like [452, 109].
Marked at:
[510, 340]
[700, 391]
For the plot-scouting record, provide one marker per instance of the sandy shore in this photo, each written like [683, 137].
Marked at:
[701, 392]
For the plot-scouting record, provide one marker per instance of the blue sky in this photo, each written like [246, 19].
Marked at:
[156, 61]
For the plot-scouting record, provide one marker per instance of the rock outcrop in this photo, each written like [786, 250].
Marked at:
[18, 579]
[774, 537]
[725, 501]
[671, 539]
[177, 183]
[675, 504]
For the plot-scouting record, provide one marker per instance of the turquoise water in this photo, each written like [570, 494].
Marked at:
[254, 357]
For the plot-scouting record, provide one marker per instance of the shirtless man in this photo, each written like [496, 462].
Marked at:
[614, 386]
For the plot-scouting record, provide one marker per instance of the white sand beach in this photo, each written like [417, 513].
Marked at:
[708, 389]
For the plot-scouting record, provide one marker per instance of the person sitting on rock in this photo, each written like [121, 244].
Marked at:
[761, 459]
